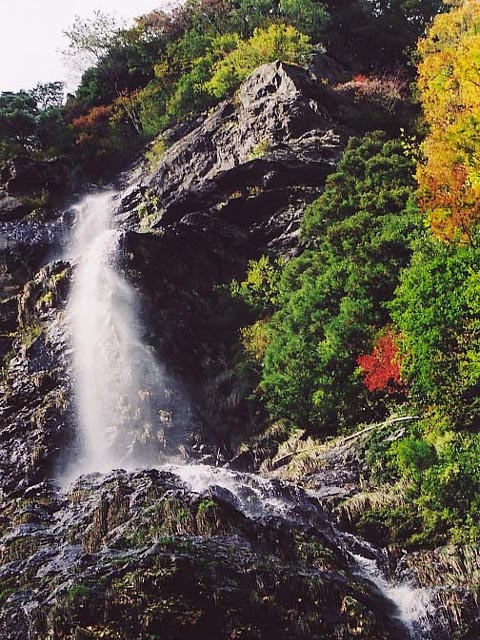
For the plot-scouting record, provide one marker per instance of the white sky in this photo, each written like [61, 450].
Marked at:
[31, 36]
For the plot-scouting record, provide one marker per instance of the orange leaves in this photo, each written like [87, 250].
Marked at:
[94, 123]
[449, 201]
[102, 121]
[381, 368]
[449, 84]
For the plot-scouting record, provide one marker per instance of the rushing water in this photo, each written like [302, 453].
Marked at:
[256, 497]
[122, 394]
[415, 609]
[126, 404]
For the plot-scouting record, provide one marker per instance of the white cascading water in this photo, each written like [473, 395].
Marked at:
[414, 605]
[122, 398]
[118, 383]
[257, 496]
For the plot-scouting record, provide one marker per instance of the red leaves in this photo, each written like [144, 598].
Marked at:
[381, 368]
[94, 124]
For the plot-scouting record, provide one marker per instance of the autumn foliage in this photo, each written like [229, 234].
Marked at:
[381, 368]
[449, 84]
[93, 124]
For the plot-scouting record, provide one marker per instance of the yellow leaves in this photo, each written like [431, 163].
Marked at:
[255, 339]
[276, 42]
[449, 84]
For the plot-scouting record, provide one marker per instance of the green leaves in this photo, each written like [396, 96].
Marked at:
[436, 309]
[329, 302]
[276, 42]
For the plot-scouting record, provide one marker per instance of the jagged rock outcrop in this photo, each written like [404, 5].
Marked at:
[231, 186]
[35, 407]
[25, 183]
[142, 556]
[255, 161]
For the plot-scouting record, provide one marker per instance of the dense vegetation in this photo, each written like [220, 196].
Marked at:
[329, 305]
[381, 312]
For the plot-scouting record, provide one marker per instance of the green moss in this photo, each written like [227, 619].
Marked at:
[78, 593]
[7, 358]
[148, 210]
[5, 593]
[19, 549]
[58, 277]
[29, 334]
[156, 152]
[259, 150]
[45, 301]
[208, 518]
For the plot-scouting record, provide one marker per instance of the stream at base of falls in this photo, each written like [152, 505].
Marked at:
[257, 496]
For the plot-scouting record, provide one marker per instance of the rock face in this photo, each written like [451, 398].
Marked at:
[154, 554]
[274, 137]
[254, 161]
[142, 556]
[24, 182]
[230, 187]
[36, 405]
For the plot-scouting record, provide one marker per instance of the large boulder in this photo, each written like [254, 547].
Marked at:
[256, 160]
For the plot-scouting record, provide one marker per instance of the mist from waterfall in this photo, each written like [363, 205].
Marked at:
[123, 397]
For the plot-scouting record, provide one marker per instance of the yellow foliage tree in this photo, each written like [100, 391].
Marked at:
[449, 85]
[276, 42]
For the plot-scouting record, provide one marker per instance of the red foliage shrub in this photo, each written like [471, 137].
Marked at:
[381, 368]
[386, 91]
[95, 117]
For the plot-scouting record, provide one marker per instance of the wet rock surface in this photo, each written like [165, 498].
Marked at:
[141, 555]
[36, 403]
[255, 161]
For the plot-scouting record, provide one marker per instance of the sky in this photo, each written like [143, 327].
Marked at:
[31, 36]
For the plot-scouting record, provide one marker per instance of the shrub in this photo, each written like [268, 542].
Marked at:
[276, 42]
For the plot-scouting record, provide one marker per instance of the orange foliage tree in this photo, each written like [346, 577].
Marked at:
[449, 85]
[93, 125]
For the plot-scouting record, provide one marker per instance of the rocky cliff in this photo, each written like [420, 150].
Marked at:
[155, 553]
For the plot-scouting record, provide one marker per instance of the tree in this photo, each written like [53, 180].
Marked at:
[436, 309]
[330, 303]
[308, 17]
[48, 95]
[381, 368]
[91, 39]
[449, 84]
[17, 119]
[377, 34]
[276, 42]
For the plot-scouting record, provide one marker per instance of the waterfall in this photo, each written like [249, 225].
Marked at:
[126, 405]
[414, 605]
[121, 392]
[258, 497]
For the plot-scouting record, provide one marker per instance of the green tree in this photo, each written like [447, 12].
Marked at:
[276, 42]
[436, 309]
[331, 301]
[308, 17]
[377, 34]
[18, 113]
